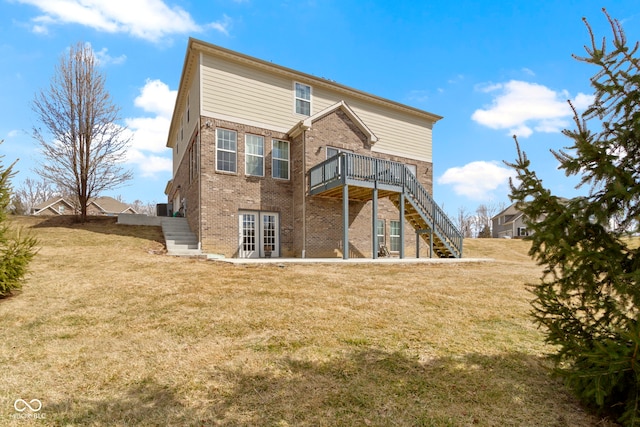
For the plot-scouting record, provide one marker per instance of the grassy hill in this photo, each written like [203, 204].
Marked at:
[109, 331]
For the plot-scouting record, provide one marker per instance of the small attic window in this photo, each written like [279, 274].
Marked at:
[302, 99]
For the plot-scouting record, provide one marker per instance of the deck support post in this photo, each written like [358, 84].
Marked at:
[431, 242]
[402, 225]
[345, 221]
[374, 226]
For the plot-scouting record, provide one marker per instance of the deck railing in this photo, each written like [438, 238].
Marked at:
[393, 175]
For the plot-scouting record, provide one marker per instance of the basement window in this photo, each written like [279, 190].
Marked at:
[394, 236]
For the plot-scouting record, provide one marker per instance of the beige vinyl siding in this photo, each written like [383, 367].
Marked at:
[236, 90]
[248, 94]
[194, 118]
[399, 133]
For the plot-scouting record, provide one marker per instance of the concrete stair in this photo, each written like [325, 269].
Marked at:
[178, 237]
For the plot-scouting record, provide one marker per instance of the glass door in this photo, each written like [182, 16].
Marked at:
[269, 235]
[248, 235]
[259, 235]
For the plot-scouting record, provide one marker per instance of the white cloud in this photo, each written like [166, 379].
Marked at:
[477, 180]
[156, 97]
[523, 107]
[104, 58]
[146, 19]
[418, 95]
[149, 134]
[528, 71]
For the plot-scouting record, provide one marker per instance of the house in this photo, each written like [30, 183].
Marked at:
[273, 162]
[510, 223]
[97, 206]
[55, 206]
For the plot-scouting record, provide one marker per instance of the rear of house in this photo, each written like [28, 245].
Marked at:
[269, 161]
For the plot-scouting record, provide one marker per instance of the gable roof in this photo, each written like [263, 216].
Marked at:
[195, 47]
[509, 211]
[110, 205]
[343, 106]
[47, 204]
[107, 205]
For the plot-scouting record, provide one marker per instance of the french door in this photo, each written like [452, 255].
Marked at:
[259, 234]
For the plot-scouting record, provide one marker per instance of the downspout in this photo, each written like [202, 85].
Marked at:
[199, 185]
[304, 194]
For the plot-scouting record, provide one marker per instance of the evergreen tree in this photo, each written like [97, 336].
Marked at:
[588, 300]
[16, 250]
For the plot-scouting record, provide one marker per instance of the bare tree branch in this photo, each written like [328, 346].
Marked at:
[82, 144]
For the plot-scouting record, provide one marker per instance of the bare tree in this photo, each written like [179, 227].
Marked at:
[147, 208]
[463, 222]
[82, 144]
[33, 192]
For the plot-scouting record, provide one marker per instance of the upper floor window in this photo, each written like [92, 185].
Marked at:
[303, 99]
[280, 159]
[226, 150]
[188, 108]
[254, 155]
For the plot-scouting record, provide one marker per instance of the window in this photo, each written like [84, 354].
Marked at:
[226, 150]
[332, 151]
[522, 231]
[254, 155]
[303, 99]
[394, 236]
[193, 159]
[380, 226]
[188, 109]
[412, 169]
[280, 159]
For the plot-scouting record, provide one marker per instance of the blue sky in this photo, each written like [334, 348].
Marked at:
[491, 68]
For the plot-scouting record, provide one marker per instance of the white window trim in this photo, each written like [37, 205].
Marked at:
[188, 108]
[247, 154]
[391, 236]
[288, 159]
[382, 238]
[235, 171]
[295, 99]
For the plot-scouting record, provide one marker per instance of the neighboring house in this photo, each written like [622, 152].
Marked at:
[98, 206]
[54, 206]
[510, 223]
[272, 162]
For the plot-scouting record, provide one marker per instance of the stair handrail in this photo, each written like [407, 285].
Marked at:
[438, 217]
[364, 168]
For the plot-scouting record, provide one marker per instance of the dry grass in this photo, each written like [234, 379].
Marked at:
[107, 331]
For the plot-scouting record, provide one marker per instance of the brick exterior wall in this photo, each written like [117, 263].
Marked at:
[187, 189]
[224, 194]
[313, 224]
[324, 216]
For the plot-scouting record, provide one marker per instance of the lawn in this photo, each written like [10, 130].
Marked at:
[110, 331]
